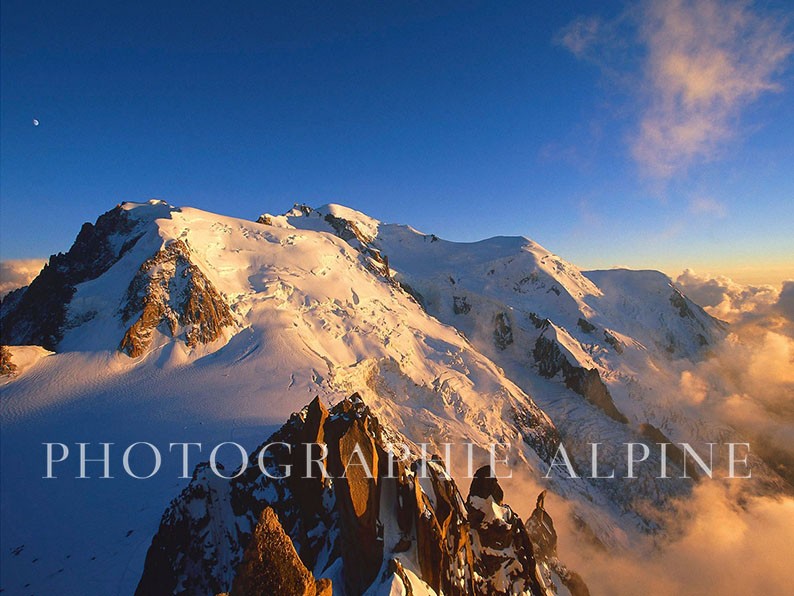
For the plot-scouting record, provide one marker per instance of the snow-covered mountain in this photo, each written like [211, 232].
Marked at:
[169, 325]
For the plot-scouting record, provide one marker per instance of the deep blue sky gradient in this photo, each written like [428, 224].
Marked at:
[461, 118]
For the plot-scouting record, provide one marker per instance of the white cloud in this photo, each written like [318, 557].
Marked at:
[18, 273]
[707, 60]
[582, 35]
[707, 206]
[702, 63]
[720, 539]
[727, 300]
[723, 545]
[748, 382]
[785, 303]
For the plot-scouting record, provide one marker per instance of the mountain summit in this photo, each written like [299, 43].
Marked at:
[165, 324]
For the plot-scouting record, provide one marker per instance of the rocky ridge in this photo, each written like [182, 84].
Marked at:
[36, 315]
[376, 522]
[168, 292]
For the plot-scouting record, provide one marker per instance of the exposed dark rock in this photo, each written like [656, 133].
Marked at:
[460, 305]
[347, 230]
[355, 465]
[584, 381]
[265, 220]
[585, 325]
[503, 331]
[38, 316]
[350, 232]
[397, 569]
[537, 431]
[532, 279]
[168, 291]
[540, 528]
[504, 558]
[675, 455]
[678, 300]
[414, 293]
[442, 535]
[538, 322]
[485, 484]
[9, 302]
[613, 341]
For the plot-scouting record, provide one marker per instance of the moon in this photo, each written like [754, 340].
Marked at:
[35, 122]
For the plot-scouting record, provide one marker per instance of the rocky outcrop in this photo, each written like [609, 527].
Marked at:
[503, 331]
[585, 325]
[586, 382]
[170, 293]
[354, 462]
[270, 564]
[347, 230]
[443, 541]
[504, 558]
[460, 305]
[613, 341]
[37, 316]
[538, 322]
[372, 522]
[678, 300]
[352, 233]
[703, 330]
[540, 528]
[7, 366]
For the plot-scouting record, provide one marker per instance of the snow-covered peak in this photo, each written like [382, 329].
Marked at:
[239, 323]
[150, 210]
[369, 225]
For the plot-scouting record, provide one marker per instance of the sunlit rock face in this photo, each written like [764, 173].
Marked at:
[270, 564]
[170, 292]
[7, 366]
[374, 522]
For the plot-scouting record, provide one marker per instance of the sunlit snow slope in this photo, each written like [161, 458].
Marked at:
[169, 325]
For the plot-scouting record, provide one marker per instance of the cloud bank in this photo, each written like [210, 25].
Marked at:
[701, 64]
[719, 540]
[18, 273]
[748, 382]
[720, 547]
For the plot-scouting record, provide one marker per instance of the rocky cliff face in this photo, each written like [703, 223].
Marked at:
[540, 528]
[170, 292]
[270, 564]
[7, 366]
[37, 315]
[587, 382]
[375, 522]
[504, 554]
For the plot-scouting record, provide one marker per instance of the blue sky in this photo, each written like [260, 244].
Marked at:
[651, 135]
